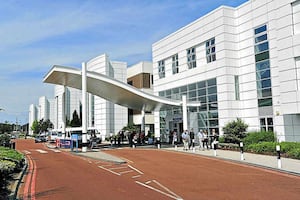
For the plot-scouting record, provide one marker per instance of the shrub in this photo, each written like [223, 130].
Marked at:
[6, 169]
[294, 153]
[286, 147]
[262, 147]
[235, 131]
[257, 137]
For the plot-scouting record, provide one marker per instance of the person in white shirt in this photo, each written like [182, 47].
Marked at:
[201, 139]
[185, 139]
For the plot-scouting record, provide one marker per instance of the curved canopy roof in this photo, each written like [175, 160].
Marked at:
[110, 89]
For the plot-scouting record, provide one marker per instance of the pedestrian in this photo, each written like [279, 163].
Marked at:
[185, 139]
[192, 138]
[205, 139]
[201, 139]
[174, 141]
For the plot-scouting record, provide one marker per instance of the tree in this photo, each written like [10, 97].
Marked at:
[235, 131]
[41, 126]
[35, 127]
[75, 122]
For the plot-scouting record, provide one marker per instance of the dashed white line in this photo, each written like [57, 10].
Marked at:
[126, 172]
[109, 171]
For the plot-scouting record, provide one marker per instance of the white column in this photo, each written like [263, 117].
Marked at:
[184, 113]
[63, 111]
[143, 121]
[84, 108]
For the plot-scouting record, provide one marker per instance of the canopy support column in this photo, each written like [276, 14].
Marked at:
[184, 113]
[84, 108]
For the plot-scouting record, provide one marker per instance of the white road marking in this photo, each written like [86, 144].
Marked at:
[137, 176]
[159, 191]
[41, 151]
[126, 172]
[118, 168]
[55, 150]
[167, 189]
[109, 171]
[27, 152]
[138, 171]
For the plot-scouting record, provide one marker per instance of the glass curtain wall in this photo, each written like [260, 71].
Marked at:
[205, 116]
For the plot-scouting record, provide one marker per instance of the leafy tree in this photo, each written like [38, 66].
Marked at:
[5, 127]
[41, 126]
[45, 125]
[75, 122]
[35, 127]
[130, 127]
[235, 131]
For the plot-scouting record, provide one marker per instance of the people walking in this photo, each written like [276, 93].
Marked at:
[174, 141]
[205, 139]
[192, 138]
[201, 139]
[185, 140]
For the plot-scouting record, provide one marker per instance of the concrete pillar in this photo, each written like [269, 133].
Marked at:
[63, 111]
[184, 113]
[84, 108]
[143, 121]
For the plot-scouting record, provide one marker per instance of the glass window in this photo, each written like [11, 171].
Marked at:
[213, 106]
[175, 90]
[161, 94]
[261, 38]
[261, 47]
[203, 107]
[192, 94]
[175, 64]
[260, 29]
[210, 50]
[263, 74]
[212, 98]
[183, 89]
[212, 82]
[161, 69]
[262, 122]
[264, 102]
[263, 65]
[202, 99]
[201, 84]
[237, 87]
[262, 56]
[213, 114]
[202, 92]
[264, 93]
[212, 90]
[168, 93]
[192, 86]
[191, 58]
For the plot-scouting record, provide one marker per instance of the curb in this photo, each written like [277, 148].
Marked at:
[14, 187]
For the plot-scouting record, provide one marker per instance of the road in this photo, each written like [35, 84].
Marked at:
[60, 175]
[148, 174]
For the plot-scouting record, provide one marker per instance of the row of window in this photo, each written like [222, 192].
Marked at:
[263, 73]
[191, 58]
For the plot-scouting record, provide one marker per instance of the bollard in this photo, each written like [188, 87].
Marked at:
[278, 156]
[242, 150]
[215, 148]
[158, 143]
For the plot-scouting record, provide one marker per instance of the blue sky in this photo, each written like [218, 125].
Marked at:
[35, 35]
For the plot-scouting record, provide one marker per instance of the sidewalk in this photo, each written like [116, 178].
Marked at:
[291, 166]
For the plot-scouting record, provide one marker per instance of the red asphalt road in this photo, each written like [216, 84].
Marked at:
[196, 177]
[151, 174]
[61, 175]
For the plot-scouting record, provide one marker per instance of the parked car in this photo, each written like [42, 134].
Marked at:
[40, 138]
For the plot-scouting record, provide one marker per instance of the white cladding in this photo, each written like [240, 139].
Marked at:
[233, 30]
[108, 117]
